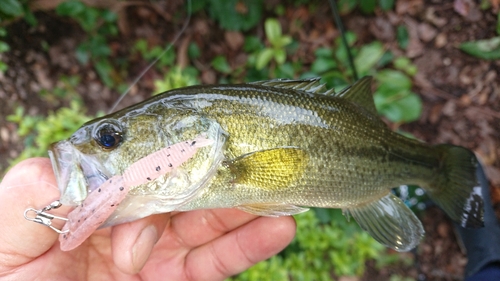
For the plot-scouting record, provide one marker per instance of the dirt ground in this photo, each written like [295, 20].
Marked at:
[461, 94]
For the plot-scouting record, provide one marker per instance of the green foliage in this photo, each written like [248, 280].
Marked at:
[402, 37]
[11, 8]
[99, 24]
[488, 49]
[220, 64]
[326, 245]
[394, 98]
[366, 6]
[39, 132]
[177, 78]
[498, 24]
[400, 278]
[4, 47]
[64, 92]
[278, 43]
[152, 53]
[368, 57]
[232, 14]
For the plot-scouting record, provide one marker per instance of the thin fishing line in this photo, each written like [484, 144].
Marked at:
[184, 26]
[338, 22]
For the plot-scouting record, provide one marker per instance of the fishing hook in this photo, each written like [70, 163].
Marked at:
[42, 217]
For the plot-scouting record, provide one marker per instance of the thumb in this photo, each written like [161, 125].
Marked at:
[29, 184]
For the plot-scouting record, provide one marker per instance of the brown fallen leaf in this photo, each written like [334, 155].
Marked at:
[234, 39]
[495, 4]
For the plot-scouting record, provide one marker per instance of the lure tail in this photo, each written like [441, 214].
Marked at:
[457, 190]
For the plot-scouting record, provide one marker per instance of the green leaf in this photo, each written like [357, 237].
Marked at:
[193, 51]
[280, 56]
[282, 42]
[104, 69]
[406, 65]
[3, 66]
[386, 5]
[402, 37]
[236, 14]
[285, 71]
[70, 8]
[29, 17]
[109, 16]
[273, 31]
[321, 65]
[498, 24]
[393, 80]
[220, 64]
[88, 19]
[368, 57]
[488, 49]
[11, 7]
[82, 55]
[252, 44]
[141, 46]
[405, 109]
[263, 58]
[346, 6]
[4, 47]
[367, 6]
[323, 52]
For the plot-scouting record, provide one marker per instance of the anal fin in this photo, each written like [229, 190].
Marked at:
[390, 222]
[272, 210]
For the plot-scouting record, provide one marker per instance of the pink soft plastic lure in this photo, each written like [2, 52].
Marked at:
[103, 201]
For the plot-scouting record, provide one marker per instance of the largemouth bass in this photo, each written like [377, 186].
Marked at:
[271, 148]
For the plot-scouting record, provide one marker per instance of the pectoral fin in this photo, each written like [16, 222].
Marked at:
[390, 222]
[272, 210]
[270, 169]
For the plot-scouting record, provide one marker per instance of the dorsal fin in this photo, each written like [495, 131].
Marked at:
[310, 85]
[360, 93]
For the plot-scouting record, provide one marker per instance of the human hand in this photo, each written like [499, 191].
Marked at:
[196, 245]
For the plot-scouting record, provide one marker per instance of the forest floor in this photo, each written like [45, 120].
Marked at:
[461, 94]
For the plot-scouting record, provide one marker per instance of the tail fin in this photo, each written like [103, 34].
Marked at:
[457, 191]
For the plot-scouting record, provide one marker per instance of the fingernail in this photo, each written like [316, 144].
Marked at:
[143, 247]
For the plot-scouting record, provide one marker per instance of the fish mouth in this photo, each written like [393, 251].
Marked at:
[69, 176]
[76, 173]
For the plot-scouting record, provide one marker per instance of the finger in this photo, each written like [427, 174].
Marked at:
[240, 249]
[196, 228]
[133, 242]
[30, 184]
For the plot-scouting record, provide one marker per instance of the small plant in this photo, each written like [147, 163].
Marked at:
[64, 92]
[9, 10]
[151, 53]
[488, 49]
[366, 6]
[278, 43]
[4, 47]
[240, 15]
[394, 98]
[326, 245]
[39, 132]
[99, 25]
[177, 78]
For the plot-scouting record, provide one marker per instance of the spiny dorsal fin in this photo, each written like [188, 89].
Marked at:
[360, 93]
[311, 85]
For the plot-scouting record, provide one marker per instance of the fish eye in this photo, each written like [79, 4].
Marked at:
[108, 136]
